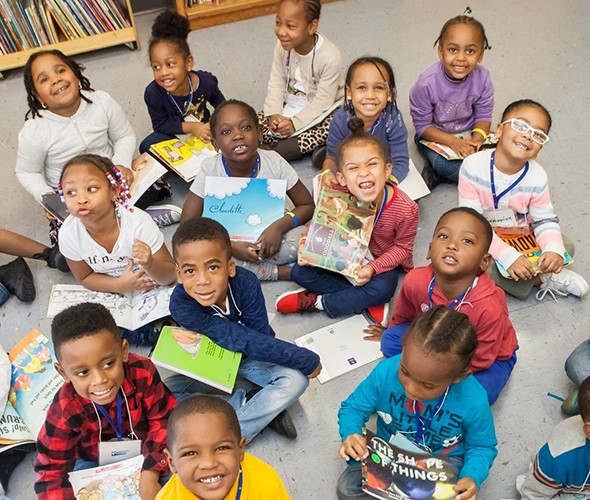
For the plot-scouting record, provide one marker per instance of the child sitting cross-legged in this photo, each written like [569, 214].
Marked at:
[101, 378]
[223, 301]
[206, 451]
[457, 279]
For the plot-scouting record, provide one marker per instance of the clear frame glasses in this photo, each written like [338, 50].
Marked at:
[523, 127]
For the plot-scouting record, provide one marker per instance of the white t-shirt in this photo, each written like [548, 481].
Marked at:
[76, 244]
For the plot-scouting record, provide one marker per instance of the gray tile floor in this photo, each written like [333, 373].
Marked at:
[539, 51]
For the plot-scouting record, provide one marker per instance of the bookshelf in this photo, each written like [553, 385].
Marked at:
[84, 43]
[226, 11]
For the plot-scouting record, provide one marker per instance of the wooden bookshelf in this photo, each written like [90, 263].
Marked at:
[125, 36]
[226, 11]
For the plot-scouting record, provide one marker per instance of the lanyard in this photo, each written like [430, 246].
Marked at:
[422, 425]
[495, 196]
[240, 481]
[188, 101]
[252, 173]
[458, 300]
[119, 427]
[383, 204]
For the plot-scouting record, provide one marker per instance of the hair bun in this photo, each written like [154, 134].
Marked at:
[169, 24]
[356, 126]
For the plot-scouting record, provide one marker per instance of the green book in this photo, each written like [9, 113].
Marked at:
[202, 359]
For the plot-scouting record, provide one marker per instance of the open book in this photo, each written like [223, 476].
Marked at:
[184, 158]
[448, 153]
[202, 359]
[34, 383]
[130, 311]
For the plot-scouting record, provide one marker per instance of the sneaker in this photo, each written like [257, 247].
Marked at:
[564, 283]
[164, 215]
[570, 406]
[283, 424]
[431, 178]
[296, 301]
[54, 259]
[17, 278]
[378, 314]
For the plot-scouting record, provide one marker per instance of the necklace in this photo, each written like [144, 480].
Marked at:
[252, 172]
[189, 98]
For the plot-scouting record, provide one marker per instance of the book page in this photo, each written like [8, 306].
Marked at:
[150, 306]
[13, 428]
[146, 171]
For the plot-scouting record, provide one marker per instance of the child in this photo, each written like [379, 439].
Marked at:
[206, 451]
[370, 96]
[98, 369]
[454, 96]
[110, 248]
[363, 168]
[431, 377]
[507, 184]
[457, 279]
[177, 98]
[305, 84]
[235, 133]
[577, 368]
[561, 468]
[224, 302]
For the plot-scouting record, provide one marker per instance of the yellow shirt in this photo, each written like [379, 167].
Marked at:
[261, 482]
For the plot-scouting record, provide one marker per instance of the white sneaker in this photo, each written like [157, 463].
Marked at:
[564, 283]
[164, 215]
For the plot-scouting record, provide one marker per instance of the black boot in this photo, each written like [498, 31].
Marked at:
[289, 149]
[431, 178]
[18, 280]
[318, 156]
[283, 425]
[54, 259]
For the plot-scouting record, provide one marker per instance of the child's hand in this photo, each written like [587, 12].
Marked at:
[374, 332]
[364, 274]
[327, 178]
[245, 251]
[550, 262]
[183, 336]
[142, 254]
[302, 261]
[274, 122]
[355, 447]
[148, 484]
[286, 128]
[200, 130]
[463, 147]
[132, 280]
[521, 269]
[316, 372]
[127, 174]
[467, 487]
[269, 242]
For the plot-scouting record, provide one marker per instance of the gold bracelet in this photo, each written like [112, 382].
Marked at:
[481, 132]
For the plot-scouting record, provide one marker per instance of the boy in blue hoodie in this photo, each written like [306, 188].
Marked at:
[218, 299]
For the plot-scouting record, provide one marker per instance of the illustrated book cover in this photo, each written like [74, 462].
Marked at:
[446, 152]
[185, 160]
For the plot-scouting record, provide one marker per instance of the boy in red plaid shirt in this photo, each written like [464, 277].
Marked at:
[100, 374]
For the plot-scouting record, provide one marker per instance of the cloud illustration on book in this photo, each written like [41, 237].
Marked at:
[221, 190]
[275, 189]
[253, 220]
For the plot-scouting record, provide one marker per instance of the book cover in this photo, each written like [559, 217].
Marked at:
[448, 153]
[179, 157]
[146, 171]
[339, 233]
[244, 206]
[394, 473]
[53, 204]
[341, 347]
[202, 360]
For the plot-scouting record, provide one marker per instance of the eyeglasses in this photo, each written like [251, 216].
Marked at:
[523, 127]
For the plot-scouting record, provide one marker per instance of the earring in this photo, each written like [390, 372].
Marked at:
[80, 85]
[117, 210]
[43, 105]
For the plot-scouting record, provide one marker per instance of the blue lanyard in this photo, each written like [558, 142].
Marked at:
[252, 173]
[495, 196]
[240, 481]
[453, 302]
[383, 204]
[188, 101]
[422, 425]
[119, 427]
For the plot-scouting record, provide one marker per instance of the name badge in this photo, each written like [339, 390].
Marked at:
[110, 452]
[503, 217]
[293, 104]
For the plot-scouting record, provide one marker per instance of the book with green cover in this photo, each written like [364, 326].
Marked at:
[202, 359]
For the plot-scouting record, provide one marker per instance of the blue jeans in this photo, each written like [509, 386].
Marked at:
[492, 379]
[153, 138]
[577, 365]
[144, 335]
[449, 169]
[280, 388]
[4, 294]
[339, 296]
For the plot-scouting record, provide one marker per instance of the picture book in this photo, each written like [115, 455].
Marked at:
[341, 347]
[130, 311]
[52, 203]
[113, 481]
[34, 383]
[201, 359]
[395, 473]
[180, 157]
[339, 232]
[449, 154]
[244, 206]
[527, 245]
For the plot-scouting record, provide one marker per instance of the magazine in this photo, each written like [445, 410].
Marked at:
[185, 160]
[34, 383]
[396, 473]
[202, 359]
[244, 206]
[130, 310]
[341, 347]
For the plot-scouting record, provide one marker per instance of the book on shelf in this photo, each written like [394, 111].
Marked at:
[202, 359]
[34, 383]
[244, 206]
[400, 470]
[182, 158]
[341, 347]
[130, 310]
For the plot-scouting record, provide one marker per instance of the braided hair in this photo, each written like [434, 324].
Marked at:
[464, 19]
[360, 137]
[312, 9]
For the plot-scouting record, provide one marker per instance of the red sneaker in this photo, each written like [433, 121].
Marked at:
[379, 314]
[296, 301]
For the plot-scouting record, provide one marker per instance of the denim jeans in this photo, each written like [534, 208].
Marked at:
[577, 365]
[492, 379]
[4, 294]
[339, 296]
[280, 388]
[449, 169]
[153, 138]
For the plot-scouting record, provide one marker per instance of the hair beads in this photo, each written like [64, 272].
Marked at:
[119, 182]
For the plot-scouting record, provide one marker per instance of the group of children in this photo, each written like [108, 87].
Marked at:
[450, 344]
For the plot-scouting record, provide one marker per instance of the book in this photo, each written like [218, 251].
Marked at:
[448, 153]
[52, 203]
[396, 473]
[244, 206]
[202, 360]
[527, 245]
[339, 232]
[180, 157]
[413, 184]
[113, 481]
[34, 383]
[131, 310]
[341, 347]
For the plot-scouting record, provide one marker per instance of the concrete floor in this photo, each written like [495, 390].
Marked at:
[539, 51]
